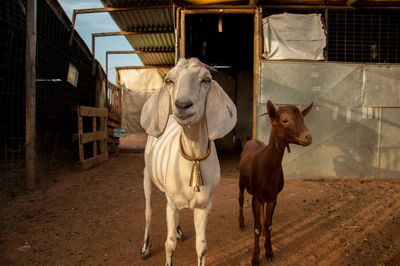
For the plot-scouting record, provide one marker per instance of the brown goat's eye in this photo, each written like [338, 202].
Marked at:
[168, 81]
[284, 121]
[206, 80]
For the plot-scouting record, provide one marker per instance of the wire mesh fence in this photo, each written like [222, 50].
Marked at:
[55, 96]
[12, 92]
[356, 35]
[133, 102]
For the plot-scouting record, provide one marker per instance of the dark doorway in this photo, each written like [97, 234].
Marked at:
[225, 42]
[221, 40]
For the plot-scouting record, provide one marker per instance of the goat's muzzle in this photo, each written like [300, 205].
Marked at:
[305, 139]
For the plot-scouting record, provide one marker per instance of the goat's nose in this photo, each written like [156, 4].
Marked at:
[183, 104]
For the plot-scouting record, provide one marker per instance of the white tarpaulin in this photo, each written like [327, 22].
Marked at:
[138, 85]
[294, 36]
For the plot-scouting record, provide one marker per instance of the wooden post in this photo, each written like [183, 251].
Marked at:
[30, 78]
[93, 55]
[256, 66]
[182, 41]
[94, 129]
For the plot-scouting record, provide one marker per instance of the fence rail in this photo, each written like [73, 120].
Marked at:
[114, 102]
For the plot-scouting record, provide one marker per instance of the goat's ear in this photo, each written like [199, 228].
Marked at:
[155, 112]
[307, 109]
[271, 110]
[220, 112]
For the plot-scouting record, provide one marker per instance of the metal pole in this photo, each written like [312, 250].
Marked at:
[30, 76]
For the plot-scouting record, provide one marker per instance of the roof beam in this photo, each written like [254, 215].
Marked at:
[350, 2]
[107, 9]
[118, 33]
[133, 52]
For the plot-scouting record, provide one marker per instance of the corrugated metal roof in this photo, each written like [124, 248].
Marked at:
[157, 59]
[147, 21]
[161, 18]
[152, 42]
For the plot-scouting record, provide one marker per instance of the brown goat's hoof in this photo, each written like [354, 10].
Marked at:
[255, 261]
[270, 257]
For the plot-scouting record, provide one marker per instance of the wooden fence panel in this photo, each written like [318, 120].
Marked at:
[91, 137]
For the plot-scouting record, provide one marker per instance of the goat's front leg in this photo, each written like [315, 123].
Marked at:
[269, 212]
[172, 222]
[255, 204]
[200, 224]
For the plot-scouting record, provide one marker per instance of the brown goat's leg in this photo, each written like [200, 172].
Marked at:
[269, 212]
[262, 221]
[257, 231]
[241, 201]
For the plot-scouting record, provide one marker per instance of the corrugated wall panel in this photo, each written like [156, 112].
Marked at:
[350, 139]
[382, 85]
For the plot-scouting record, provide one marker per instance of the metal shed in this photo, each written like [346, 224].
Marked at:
[355, 87]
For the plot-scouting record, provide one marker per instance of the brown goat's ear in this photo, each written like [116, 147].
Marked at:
[271, 110]
[307, 109]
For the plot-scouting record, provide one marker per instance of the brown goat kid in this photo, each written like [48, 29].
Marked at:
[261, 169]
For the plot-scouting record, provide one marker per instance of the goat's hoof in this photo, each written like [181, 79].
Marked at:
[145, 250]
[270, 257]
[180, 236]
[255, 261]
[144, 255]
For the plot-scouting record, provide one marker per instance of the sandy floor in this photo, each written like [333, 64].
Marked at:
[96, 217]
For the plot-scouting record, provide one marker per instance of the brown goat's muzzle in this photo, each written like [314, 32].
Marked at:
[304, 139]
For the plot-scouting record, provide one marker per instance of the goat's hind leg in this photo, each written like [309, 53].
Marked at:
[269, 212]
[145, 250]
[241, 201]
[179, 232]
[257, 231]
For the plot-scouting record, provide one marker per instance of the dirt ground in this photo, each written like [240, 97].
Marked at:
[96, 217]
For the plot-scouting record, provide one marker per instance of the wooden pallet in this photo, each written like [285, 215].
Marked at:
[99, 155]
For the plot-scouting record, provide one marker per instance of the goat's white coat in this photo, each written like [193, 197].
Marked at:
[214, 116]
[170, 172]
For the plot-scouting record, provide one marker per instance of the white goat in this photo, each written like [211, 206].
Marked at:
[201, 113]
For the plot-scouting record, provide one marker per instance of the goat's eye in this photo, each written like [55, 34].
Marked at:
[284, 121]
[168, 81]
[206, 80]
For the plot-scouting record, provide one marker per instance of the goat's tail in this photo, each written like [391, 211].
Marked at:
[145, 250]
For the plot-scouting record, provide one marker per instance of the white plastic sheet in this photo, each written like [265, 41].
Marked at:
[294, 36]
[138, 85]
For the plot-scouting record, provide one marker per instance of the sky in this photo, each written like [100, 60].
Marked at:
[86, 24]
